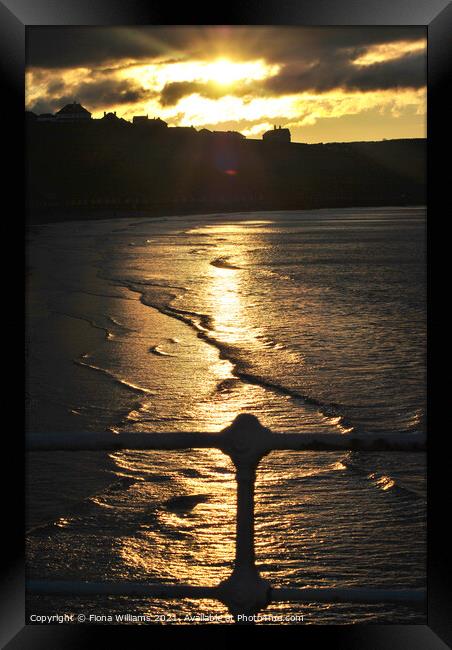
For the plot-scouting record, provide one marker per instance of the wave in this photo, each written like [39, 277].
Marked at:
[155, 349]
[203, 324]
[226, 385]
[121, 326]
[382, 481]
[184, 503]
[242, 370]
[99, 295]
[108, 333]
[160, 296]
[223, 263]
[123, 382]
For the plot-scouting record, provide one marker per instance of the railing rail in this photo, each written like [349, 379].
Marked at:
[246, 441]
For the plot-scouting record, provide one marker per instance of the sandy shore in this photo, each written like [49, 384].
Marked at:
[58, 482]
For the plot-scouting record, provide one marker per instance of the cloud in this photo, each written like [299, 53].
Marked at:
[340, 72]
[108, 92]
[319, 76]
[97, 93]
[66, 47]
[174, 91]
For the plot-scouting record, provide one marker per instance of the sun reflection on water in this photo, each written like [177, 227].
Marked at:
[224, 293]
[186, 522]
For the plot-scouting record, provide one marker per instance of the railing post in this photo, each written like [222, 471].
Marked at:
[244, 550]
[245, 592]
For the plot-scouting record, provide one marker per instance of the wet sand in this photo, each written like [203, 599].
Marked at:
[59, 482]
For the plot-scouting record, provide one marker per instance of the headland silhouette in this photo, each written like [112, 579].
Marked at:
[80, 167]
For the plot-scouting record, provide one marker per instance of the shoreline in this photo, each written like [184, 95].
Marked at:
[55, 215]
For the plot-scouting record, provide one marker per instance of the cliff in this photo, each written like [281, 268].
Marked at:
[92, 167]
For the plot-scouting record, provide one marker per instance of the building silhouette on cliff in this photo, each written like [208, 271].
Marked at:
[277, 135]
[75, 113]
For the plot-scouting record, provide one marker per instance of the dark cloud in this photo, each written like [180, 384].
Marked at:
[93, 94]
[43, 105]
[55, 88]
[172, 92]
[319, 76]
[323, 75]
[109, 92]
[66, 47]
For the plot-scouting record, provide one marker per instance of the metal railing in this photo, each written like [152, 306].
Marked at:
[245, 592]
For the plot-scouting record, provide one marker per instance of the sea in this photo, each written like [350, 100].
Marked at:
[314, 321]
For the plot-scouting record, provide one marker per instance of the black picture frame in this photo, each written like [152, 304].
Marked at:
[436, 15]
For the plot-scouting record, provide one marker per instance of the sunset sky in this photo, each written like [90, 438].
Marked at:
[325, 84]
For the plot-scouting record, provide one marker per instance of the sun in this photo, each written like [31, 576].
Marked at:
[225, 72]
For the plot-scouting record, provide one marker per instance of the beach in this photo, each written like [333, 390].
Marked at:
[311, 320]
